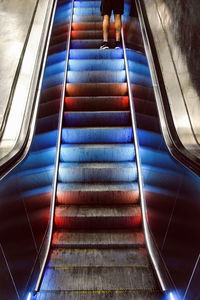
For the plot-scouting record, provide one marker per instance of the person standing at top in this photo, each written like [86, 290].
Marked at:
[106, 8]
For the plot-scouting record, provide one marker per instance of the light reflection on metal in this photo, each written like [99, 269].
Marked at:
[171, 296]
[29, 296]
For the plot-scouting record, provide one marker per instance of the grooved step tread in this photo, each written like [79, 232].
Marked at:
[84, 211]
[98, 217]
[98, 257]
[100, 295]
[97, 193]
[101, 278]
[98, 239]
[97, 103]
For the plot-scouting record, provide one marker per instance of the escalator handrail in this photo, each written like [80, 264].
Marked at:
[53, 198]
[163, 277]
[172, 140]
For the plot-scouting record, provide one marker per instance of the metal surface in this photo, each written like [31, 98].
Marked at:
[24, 93]
[176, 60]
[15, 19]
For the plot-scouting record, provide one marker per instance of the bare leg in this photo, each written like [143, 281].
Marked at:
[106, 26]
[118, 26]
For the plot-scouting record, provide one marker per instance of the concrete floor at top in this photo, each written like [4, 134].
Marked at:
[15, 19]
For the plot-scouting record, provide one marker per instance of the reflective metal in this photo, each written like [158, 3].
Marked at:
[15, 19]
[24, 94]
[169, 24]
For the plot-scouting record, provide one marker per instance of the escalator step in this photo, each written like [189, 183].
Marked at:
[87, 4]
[99, 295]
[98, 217]
[120, 239]
[96, 89]
[97, 135]
[82, 44]
[93, 54]
[97, 118]
[90, 34]
[102, 278]
[95, 64]
[97, 152]
[97, 193]
[97, 103]
[97, 172]
[92, 77]
[98, 257]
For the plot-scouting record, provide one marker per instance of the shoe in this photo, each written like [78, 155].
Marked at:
[104, 45]
[118, 45]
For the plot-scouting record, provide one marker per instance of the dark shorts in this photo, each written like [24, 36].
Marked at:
[107, 6]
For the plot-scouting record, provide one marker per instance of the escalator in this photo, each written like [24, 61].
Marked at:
[98, 248]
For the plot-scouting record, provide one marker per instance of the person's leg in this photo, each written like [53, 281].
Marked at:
[106, 27]
[118, 26]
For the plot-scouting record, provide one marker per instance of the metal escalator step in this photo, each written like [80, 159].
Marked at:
[97, 172]
[87, 4]
[97, 103]
[93, 54]
[97, 193]
[96, 89]
[95, 65]
[100, 295]
[89, 34]
[90, 278]
[120, 239]
[89, 26]
[88, 18]
[97, 152]
[85, 11]
[83, 44]
[98, 257]
[92, 77]
[93, 135]
[97, 118]
[98, 217]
